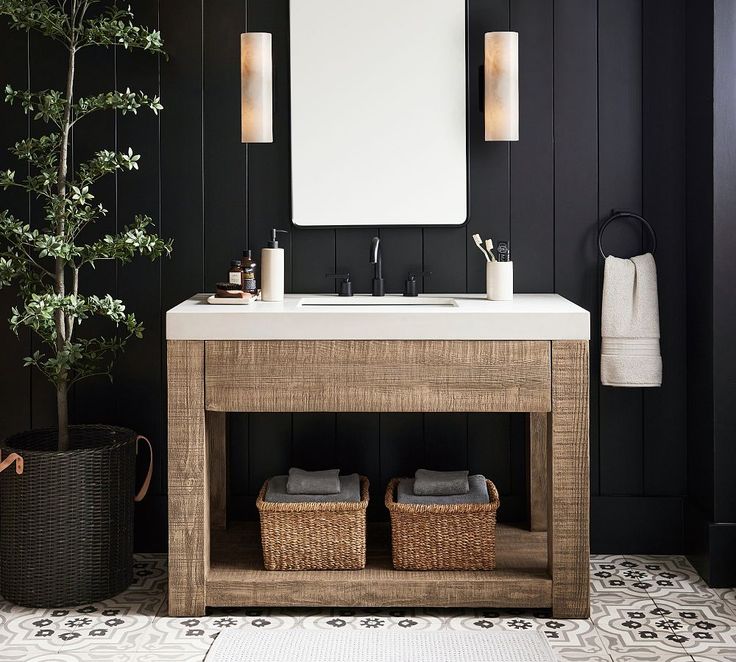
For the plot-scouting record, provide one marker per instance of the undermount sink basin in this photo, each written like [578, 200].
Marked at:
[367, 300]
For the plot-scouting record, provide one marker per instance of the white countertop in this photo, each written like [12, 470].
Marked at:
[527, 317]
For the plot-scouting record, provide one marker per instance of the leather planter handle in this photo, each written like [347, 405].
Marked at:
[147, 482]
[13, 457]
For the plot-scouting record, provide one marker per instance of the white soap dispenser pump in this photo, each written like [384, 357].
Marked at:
[272, 269]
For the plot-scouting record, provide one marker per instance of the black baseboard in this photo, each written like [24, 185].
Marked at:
[711, 548]
[637, 525]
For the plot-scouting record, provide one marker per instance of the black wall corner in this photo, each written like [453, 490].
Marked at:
[711, 208]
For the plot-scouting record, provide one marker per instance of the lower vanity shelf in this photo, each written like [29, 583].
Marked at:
[236, 576]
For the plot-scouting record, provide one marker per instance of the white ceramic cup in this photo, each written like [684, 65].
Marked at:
[500, 281]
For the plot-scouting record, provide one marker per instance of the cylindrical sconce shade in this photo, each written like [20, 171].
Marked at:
[502, 85]
[256, 88]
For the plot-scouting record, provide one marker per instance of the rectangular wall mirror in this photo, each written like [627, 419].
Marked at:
[378, 112]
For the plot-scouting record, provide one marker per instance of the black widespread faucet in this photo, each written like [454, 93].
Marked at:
[377, 261]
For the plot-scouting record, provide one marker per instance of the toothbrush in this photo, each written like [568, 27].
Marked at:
[479, 244]
[489, 249]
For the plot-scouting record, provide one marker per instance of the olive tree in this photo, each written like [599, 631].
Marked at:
[44, 257]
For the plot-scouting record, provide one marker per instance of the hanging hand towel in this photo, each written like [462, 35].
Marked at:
[630, 354]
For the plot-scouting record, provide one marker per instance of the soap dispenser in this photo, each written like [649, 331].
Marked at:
[272, 269]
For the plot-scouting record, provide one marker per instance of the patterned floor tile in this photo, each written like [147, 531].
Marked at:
[644, 609]
[702, 625]
[164, 655]
[614, 576]
[664, 576]
[636, 628]
[113, 622]
[728, 595]
[715, 656]
[28, 653]
[571, 640]
[153, 656]
[191, 635]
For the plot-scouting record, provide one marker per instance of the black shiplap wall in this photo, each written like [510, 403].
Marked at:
[602, 126]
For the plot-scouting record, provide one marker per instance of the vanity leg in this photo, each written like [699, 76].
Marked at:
[189, 529]
[216, 426]
[537, 470]
[568, 477]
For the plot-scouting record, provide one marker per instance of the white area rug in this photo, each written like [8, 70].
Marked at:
[306, 646]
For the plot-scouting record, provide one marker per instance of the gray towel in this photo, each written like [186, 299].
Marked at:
[478, 493]
[313, 482]
[630, 354]
[440, 483]
[349, 492]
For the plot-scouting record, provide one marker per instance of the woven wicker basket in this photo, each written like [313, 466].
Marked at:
[66, 526]
[443, 537]
[313, 536]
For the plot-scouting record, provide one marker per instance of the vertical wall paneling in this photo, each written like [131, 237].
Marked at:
[351, 256]
[620, 186]
[181, 150]
[663, 57]
[402, 445]
[576, 177]
[357, 450]
[402, 250]
[224, 154]
[15, 386]
[238, 465]
[313, 441]
[139, 392]
[532, 158]
[94, 399]
[444, 250]
[700, 122]
[269, 447]
[445, 441]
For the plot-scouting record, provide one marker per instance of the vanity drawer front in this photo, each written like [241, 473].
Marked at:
[378, 375]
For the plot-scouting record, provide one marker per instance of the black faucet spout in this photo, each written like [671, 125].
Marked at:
[376, 259]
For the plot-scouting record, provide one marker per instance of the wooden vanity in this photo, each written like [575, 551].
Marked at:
[529, 355]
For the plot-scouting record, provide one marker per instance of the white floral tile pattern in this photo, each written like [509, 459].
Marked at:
[644, 609]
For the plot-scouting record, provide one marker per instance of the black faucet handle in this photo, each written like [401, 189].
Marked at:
[346, 286]
[410, 286]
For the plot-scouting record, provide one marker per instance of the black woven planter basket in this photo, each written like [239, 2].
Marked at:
[66, 523]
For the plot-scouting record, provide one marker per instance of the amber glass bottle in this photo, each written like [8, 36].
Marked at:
[235, 275]
[249, 273]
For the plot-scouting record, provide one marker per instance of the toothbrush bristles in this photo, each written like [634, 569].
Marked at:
[489, 249]
[479, 243]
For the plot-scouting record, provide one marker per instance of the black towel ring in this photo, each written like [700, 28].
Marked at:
[626, 214]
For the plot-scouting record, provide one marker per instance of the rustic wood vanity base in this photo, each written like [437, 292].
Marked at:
[210, 565]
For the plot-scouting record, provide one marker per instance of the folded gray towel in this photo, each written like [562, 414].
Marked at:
[313, 482]
[440, 483]
[349, 492]
[478, 493]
